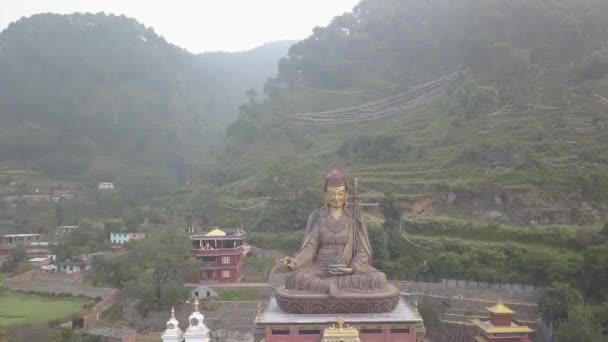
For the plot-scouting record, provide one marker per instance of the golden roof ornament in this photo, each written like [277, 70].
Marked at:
[500, 308]
[216, 232]
[258, 315]
[344, 332]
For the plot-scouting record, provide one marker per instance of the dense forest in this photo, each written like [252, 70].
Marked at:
[105, 97]
[491, 114]
[517, 136]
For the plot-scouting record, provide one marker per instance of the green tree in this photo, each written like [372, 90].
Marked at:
[392, 212]
[604, 230]
[594, 271]
[16, 257]
[156, 269]
[18, 254]
[580, 325]
[59, 214]
[557, 300]
[378, 241]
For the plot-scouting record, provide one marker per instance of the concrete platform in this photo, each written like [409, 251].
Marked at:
[276, 325]
[402, 313]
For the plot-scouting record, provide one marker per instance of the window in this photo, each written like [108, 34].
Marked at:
[400, 331]
[225, 260]
[309, 332]
[225, 274]
[371, 331]
[280, 332]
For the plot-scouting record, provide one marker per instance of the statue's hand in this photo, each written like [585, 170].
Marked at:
[342, 271]
[290, 264]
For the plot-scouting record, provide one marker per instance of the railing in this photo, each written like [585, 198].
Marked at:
[209, 264]
[217, 252]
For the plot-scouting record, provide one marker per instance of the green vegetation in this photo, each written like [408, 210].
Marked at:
[527, 121]
[572, 237]
[581, 325]
[557, 300]
[256, 269]
[2, 277]
[108, 99]
[153, 272]
[287, 243]
[238, 295]
[16, 308]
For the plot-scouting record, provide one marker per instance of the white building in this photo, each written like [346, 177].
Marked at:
[105, 186]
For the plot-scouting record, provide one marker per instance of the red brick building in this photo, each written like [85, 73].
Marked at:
[221, 255]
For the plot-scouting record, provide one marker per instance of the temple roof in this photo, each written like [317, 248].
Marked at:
[216, 232]
[488, 328]
[500, 308]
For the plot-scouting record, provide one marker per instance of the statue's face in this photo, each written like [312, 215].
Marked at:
[336, 196]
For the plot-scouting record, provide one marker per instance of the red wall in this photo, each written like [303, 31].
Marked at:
[235, 266]
[385, 336]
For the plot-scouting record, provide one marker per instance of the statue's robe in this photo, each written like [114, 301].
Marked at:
[329, 241]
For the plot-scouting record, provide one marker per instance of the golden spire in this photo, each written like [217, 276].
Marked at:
[341, 323]
[500, 308]
[258, 315]
[172, 312]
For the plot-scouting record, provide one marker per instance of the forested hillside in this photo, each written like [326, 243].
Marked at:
[516, 132]
[105, 97]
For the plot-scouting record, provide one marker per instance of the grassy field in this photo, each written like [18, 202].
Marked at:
[238, 295]
[16, 308]
[2, 277]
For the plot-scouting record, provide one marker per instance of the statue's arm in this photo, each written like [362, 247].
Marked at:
[361, 261]
[307, 253]
[311, 244]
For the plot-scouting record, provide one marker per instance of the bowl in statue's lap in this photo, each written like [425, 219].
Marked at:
[335, 267]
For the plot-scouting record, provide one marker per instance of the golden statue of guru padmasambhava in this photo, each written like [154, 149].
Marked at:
[336, 255]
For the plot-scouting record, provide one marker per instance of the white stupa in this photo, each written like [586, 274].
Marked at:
[173, 332]
[197, 331]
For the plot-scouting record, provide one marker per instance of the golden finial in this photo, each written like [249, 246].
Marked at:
[258, 315]
[172, 312]
[196, 302]
[340, 322]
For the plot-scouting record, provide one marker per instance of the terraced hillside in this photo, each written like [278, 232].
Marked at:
[519, 137]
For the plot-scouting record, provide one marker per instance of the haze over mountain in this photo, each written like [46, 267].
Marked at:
[100, 95]
[519, 134]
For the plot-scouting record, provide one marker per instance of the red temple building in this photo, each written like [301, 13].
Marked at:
[221, 255]
[501, 327]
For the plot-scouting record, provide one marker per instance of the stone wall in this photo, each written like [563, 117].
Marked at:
[470, 291]
[19, 278]
[40, 276]
[52, 277]
[95, 312]
[455, 288]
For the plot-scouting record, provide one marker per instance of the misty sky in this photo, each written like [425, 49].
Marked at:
[201, 25]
